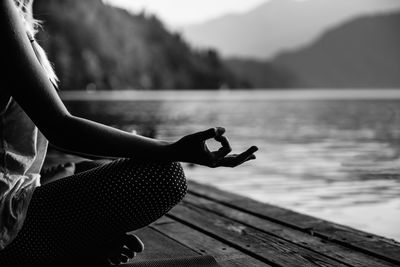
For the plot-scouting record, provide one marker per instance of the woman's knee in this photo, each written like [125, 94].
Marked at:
[174, 181]
[164, 179]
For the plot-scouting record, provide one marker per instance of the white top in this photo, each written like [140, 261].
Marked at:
[22, 152]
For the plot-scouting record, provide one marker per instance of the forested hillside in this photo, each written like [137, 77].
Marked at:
[96, 46]
[262, 74]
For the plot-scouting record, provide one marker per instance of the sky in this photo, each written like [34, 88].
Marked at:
[185, 12]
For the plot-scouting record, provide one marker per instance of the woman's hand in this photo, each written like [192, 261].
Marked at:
[193, 149]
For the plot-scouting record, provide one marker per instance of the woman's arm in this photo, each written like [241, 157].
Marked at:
[27, 83]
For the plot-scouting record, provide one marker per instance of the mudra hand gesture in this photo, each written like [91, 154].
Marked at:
[192, 148]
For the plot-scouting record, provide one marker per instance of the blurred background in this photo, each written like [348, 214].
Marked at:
[314, 83]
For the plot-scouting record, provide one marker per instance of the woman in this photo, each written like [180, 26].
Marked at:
[85, 215]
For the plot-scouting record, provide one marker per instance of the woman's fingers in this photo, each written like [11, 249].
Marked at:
[252, 157]
[220, 131]
[246, 156]
[249, 152]
[195, 150]
[236, 160]
[210, 133]
[225, 149]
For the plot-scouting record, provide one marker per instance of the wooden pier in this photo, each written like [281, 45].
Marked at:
[238, 231]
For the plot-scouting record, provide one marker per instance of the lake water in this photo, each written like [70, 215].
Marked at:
[331, 154]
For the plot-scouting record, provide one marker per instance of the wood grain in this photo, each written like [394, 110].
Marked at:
[386, 249]
[206, 245]
[317, 244]
[264, 247]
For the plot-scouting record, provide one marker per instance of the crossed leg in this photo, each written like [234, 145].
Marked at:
[81, 214]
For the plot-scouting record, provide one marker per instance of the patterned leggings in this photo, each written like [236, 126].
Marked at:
[79, 215]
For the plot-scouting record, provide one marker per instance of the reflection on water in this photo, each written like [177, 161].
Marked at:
[335, 159]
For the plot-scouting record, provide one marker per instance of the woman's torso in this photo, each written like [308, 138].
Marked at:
[22, 146]
[22, 152]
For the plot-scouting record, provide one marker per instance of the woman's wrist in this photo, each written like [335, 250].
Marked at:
[170, 151]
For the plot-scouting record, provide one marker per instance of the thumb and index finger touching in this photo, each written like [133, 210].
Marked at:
[211, 133]
[218, 134]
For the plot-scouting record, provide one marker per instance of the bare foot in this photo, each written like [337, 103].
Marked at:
[123, 249]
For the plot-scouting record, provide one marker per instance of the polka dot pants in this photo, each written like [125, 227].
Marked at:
[81, 214]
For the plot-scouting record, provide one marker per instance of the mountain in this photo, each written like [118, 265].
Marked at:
[279, 25]
[97, 46]
[364, 53]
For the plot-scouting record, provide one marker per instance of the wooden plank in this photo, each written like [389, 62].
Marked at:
[381, 247]
[317, 244]
[159, 246]
[264, 247]
[206, 245]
